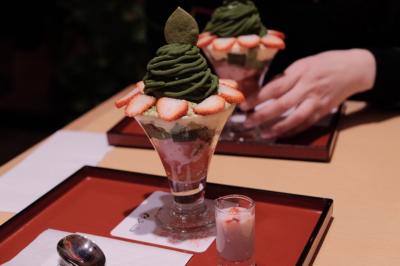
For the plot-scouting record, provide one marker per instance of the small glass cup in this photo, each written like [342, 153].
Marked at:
[235, 223]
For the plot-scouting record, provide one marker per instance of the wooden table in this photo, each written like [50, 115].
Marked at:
[363, 179]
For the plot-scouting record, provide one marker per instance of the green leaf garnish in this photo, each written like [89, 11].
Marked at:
[181, 27]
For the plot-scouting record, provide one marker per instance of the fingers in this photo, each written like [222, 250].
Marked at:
[274, 89]
[275, 108]
[308, 123]
[302, 117]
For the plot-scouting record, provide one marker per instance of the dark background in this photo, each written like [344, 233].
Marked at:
[60, 58]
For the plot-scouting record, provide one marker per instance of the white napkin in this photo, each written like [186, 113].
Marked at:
[57, 158]
[140, 225]
[42, 252]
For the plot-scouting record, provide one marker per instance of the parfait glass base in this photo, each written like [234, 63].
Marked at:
[186, 218]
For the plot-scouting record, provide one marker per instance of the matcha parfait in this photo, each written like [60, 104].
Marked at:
[238, 44]
[182, 106]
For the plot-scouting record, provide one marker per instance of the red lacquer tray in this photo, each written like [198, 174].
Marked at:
[314, 144]
[289, 228]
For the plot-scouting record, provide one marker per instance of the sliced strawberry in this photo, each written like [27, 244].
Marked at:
[205, 41]
[210, 105]
[125, 100]
[204, 34]
[140, 85]
[171, 109]
[229, 94]
[277, 34]
[139, 104]
[230, 83]
[249, 41]
[223, 44]
[272, 41]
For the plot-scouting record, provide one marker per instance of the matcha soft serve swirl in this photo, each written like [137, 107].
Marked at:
[179, 70]
[235, 18]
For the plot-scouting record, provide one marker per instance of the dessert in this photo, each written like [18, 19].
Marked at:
[182, 107]
[238, 45]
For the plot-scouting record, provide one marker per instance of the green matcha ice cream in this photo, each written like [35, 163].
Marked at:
[178, 82]
[235, 18]
[179, 70]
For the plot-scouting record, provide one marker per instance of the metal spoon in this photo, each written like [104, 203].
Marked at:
[78, 250]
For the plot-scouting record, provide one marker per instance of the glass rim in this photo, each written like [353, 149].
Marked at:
[184, 118]
[235, 196]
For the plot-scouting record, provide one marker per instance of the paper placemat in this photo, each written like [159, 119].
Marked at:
[57, 158]
[140, 225]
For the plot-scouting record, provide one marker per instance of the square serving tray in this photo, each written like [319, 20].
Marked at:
[315, 144]
[289, 227]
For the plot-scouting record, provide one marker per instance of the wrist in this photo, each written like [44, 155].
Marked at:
[365, 64]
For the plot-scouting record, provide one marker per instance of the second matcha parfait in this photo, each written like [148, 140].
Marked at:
[238, 44]
[182, 107]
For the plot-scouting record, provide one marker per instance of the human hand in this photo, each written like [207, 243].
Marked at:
[313, 86]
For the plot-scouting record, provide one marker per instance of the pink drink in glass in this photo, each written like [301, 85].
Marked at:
[235, 223]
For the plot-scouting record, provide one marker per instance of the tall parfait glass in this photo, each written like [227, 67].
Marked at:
[248, 70]
[182, 107]
[240, 47]
[246, 66]
[185, 147]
